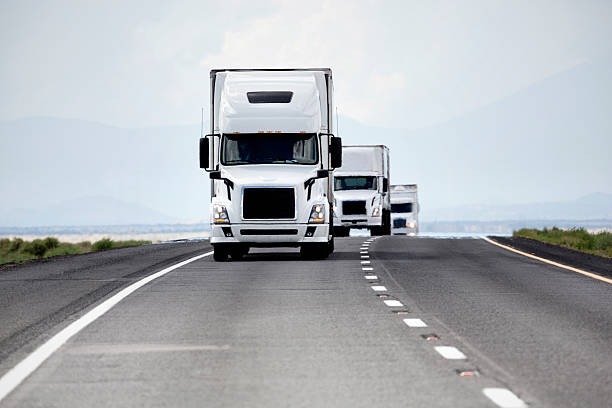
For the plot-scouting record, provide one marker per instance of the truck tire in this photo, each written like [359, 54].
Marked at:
[341, 231]
[220, 253]
[315, 251]
[237, 251]
[330, 246]
[387, 223]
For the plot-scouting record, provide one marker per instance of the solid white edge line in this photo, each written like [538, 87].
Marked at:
[415, 323]
[570, 268]
[450, 353]
[28, 365]
[504, 398]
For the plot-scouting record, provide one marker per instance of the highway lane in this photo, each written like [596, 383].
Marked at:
[36, 299]
[274, 330]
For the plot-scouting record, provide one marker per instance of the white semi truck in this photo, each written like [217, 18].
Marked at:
[361, 188]
[270, 157]
[404, 209]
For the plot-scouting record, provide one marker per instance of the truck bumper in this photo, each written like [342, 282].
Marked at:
[269, 234]
[403, 231]
[358, 221]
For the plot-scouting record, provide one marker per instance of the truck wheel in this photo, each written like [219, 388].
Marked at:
[341, 231]
[330, 246]
[220, 254]
[238, 251]
[387, 224]
[315, 251]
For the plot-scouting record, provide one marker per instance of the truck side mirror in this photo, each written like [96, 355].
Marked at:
[335, 148]
[204, 153]
[385, 185]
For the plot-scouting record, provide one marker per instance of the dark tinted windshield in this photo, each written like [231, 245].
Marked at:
[266, 148]
[401, 208]
[355, 183]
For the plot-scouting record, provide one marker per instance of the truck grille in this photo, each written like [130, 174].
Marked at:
[353, 207]
[399, 223]
[268, 203]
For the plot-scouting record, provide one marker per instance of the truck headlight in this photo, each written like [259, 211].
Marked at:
[412, 224]
[376, 212]
[220, 214]
[317, 214]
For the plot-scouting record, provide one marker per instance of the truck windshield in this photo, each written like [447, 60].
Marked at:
[266, 148]
[401, 208]
[355, 183]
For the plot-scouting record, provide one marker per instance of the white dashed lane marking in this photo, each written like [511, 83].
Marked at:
[450, 353]
[365, 256]
[504, 398]
[379, 288]
[367, 268]
[371, 277]
[415, 323]
[365, 262]
[393, 303]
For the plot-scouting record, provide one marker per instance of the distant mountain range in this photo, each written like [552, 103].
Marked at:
[590, 207]
[547, 144]
[86, 211]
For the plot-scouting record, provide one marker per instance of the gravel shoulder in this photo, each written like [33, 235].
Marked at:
[566, 256]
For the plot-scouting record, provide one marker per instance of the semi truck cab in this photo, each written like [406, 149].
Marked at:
[404, 209]
[270, 157]
[361, 189]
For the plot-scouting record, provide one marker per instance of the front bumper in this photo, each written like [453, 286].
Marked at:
[358, 221]
[269, 234]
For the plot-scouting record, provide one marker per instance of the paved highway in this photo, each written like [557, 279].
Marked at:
[393, 321]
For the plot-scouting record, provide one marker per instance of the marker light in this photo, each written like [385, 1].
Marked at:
[317, 214]
[376, 212]
[220, 215]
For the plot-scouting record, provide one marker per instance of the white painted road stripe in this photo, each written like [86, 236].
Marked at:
[371, 277]
[367, 268]
[21, 371]
[415, 323]
[450, 353]
[504, 398]
[569, 268]
[365, 262]
[363, 252]
[365, 256]
[379, 288]
[393, 303]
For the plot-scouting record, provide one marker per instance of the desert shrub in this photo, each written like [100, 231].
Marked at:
[65, 249]
[51, 242]
[576, 238]
[36, 248]
[104, 243]
[16, 244]
[5, 244]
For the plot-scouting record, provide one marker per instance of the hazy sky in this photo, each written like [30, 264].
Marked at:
[495, 102]
[406, 64]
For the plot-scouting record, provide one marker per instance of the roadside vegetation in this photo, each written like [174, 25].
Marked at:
[580, 239]
[17, 250]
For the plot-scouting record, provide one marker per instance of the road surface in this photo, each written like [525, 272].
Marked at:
[394, 321]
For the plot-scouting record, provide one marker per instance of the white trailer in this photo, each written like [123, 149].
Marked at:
[404, 209]
[270, 156]
[361, 190]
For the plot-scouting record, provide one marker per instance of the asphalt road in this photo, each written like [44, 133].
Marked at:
[274, 330]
